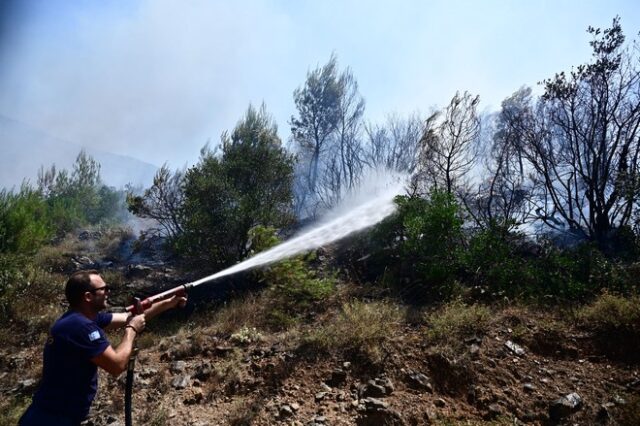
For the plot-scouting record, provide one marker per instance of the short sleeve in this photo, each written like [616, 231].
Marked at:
[104, 319]
[89, 340]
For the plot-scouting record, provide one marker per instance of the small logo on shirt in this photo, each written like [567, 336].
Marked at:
[94, 335]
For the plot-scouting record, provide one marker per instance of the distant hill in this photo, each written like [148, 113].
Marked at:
[23, 149]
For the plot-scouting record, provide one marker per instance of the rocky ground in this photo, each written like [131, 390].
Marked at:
[519, 370]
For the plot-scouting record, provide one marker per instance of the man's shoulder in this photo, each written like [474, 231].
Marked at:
[71, 317]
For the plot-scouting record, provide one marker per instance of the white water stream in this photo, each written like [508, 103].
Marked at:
[356, 217]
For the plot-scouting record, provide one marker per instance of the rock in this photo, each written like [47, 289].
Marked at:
[320, 396]
[178, 367]
[138, 271]
[325, 387]
[375, 412]
[26, 386]
[372, 389]
[203, 371]
[474, 350]
[181, 381]
[604, 413]
[495, 410]
[440, 403]
[338, 377]
[374, 404]
[514, 347]
[418, 381]
[528, 387]
[387, 384]
[285, 412]
[295, 406]
[222, 350]
[195, 398]
[565, 406]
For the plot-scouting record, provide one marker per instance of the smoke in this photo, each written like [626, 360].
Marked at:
[371, 205]
[150, 79]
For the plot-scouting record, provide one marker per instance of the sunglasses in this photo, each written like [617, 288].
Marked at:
[104, 287]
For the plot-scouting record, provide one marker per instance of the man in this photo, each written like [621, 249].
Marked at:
[77, 346]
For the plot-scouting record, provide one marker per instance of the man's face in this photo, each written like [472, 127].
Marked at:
[99, 293]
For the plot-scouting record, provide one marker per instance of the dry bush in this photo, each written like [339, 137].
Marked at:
[611, 311]
[111, 239]
[358, 327]
[454, 321]
[241, 313]
[242, 412]
[615, 323]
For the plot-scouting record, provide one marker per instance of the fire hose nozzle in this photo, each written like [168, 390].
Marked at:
[138, 307]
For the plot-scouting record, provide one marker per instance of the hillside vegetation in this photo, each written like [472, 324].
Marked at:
[503, 290]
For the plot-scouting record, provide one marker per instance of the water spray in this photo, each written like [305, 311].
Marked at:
[354, 217]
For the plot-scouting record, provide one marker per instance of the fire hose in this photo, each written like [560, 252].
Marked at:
[136, 308]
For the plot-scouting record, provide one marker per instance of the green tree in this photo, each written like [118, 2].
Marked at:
[24, 221]
[78, 198]
[420, 244]
[248, 184]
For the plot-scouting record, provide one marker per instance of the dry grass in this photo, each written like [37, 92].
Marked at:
[452, 322]
[611, 311]
[242, 412]
[247, 312]
[360, 327]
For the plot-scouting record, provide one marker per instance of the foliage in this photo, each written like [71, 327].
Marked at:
[424, 237]
[225, 196]
[294, 289]
[78, 198]
[24, 221]
[327, 136]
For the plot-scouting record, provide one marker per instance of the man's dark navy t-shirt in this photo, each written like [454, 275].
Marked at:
[69, 378]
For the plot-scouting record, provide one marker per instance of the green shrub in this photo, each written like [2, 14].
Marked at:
[418, 247]
[492, 264]
[294, 289]
[24, 221]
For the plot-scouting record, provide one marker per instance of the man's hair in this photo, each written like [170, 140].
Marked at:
[78, 284]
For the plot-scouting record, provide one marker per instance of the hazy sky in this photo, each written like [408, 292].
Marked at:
[156, 79]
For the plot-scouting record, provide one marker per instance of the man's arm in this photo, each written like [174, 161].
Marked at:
[120, 319]
[164, 305]
[114, 361]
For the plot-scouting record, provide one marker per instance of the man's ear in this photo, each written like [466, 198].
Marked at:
[86, 296]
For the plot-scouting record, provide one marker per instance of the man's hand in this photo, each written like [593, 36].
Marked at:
[178, 301]
[138, 322]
